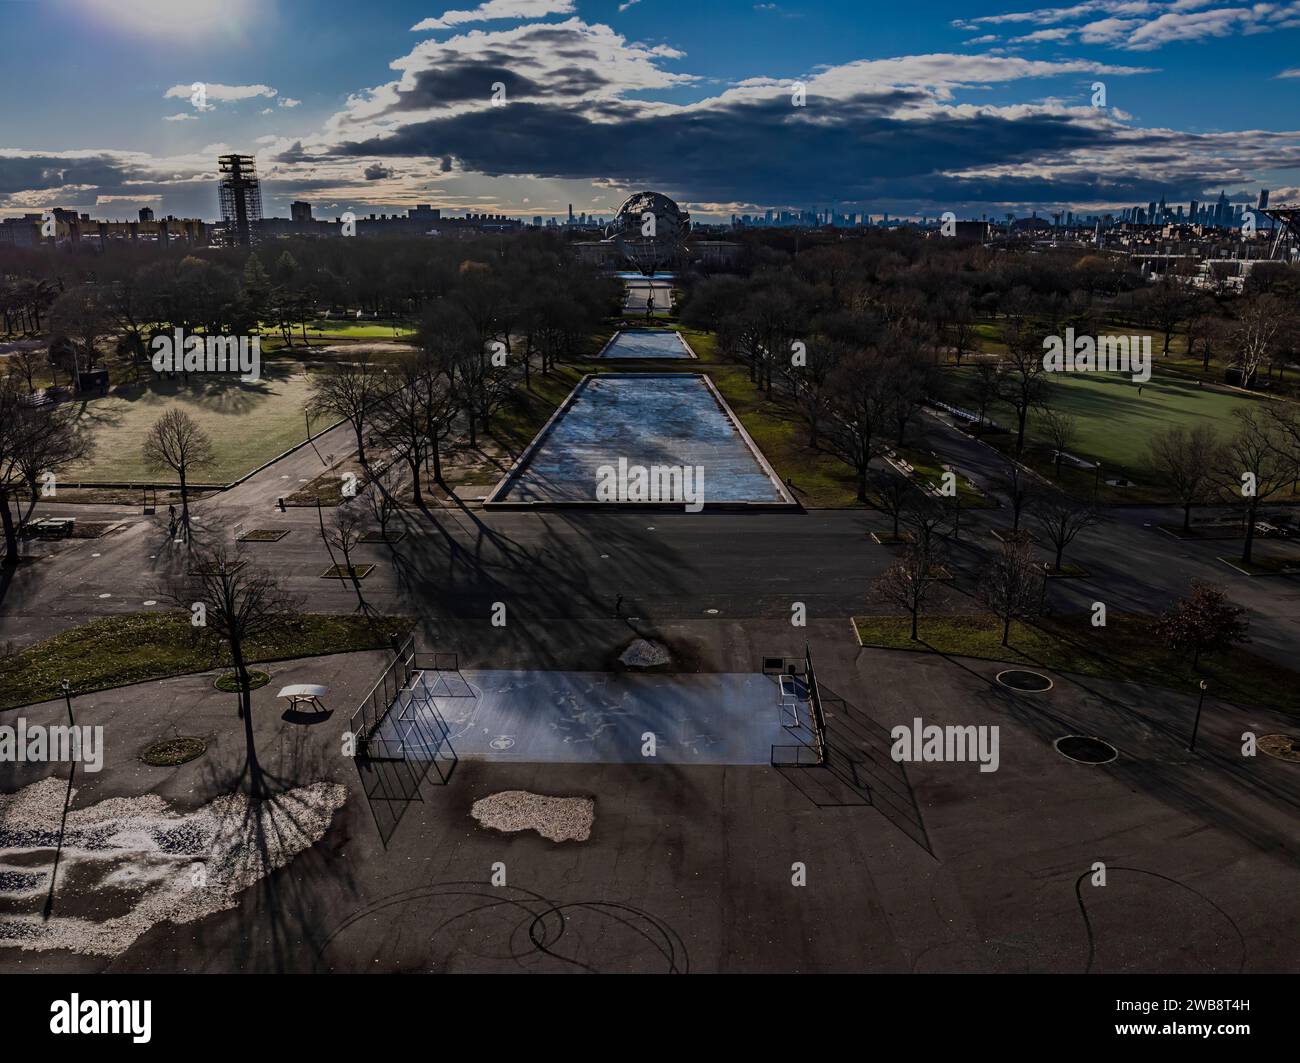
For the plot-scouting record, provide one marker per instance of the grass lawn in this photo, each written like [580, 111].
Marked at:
[1126, 649]
[349, 330]
[1114, 424]
[821, 480]
[249, 422]
[522, 416]
[140, 646]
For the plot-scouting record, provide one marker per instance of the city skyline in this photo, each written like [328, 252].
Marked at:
[1089, 108]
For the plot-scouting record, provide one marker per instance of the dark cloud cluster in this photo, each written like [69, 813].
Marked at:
[770, 152]
[23, 173]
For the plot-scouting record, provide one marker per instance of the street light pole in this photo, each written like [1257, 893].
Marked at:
[1191, 746]
[67, 697]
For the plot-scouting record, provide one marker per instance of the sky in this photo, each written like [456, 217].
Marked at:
[522, 107]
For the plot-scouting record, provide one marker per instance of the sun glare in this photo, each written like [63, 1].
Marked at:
[174, 17]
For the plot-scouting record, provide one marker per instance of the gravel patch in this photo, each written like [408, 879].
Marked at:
[642, 653]
[138, 854]
[558, 819]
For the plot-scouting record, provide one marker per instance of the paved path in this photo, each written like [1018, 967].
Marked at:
[950, 869]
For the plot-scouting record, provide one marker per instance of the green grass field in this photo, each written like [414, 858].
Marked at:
[350, 330]
[1114, 424]
[136, 647]
[249, 423]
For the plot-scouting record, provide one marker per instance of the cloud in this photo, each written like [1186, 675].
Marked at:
[495, 10]
[1294, 72]
[288, 101]
[872, 129]
[183, 116]
[590, 113]
[1143, 25]
[214, 91]
[626, 4]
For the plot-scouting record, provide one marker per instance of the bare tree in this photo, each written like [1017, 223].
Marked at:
[1022, 384]
[26, 362]
[1166, 304]
[892, 494]
[965, 338]
[924, 518]
[1062, 518]
[1210, 332]
[417, 415]
[177, 442]
[906, 582]
[347, 393]
[1061, 429]
[1187, 459]
[860, 405]
[1262, 323]
[479, 386]
[240, 603]
[383, 503]
[82, 315]
[1256, 463]
[1012, 586]
[1262, 334]
[1021, 487]
[33, 442]
[810, 384]
[987, 391]
[343, 533]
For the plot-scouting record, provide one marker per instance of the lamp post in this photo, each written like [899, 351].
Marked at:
[1096, 484]
[1191, 746]
[67, 698]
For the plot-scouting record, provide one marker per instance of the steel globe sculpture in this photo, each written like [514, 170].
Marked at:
[650, 231]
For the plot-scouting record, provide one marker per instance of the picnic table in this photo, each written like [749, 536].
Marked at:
[52, 527]
[304, 693]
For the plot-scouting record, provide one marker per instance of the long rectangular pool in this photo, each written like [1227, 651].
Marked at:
[650, 421]
[647, 343]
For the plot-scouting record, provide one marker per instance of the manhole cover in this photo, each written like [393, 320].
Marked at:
[1282, 747]
[1086, 750]
[1021, 680]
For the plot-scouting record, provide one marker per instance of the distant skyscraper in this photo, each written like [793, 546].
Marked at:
[1263, 199]
[240, 193]
[1222, 212]
[146, 214]
[300, 212]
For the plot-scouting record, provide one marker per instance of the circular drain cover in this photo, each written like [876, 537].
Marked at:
[1021, 680]
[1086, 750]
[1283, 747]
